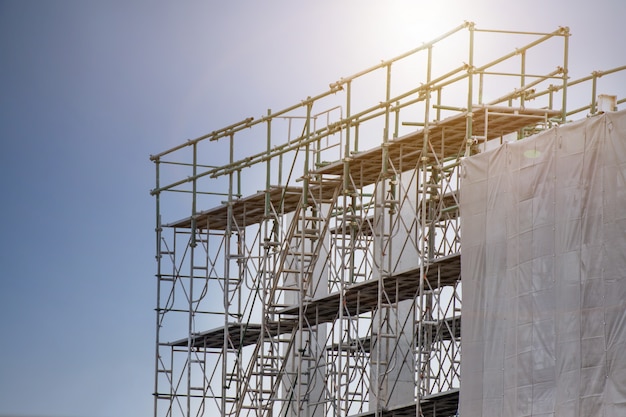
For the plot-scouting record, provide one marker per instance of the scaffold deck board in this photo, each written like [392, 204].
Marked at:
[251, 209]
[363, 297]
[446, 206]
[239, 335]
[246, 334]
[359, 298]
[246, 211]
[446, 137]
[444, 404]
[445, 329]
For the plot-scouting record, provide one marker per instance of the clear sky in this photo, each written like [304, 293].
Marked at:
[89, 89]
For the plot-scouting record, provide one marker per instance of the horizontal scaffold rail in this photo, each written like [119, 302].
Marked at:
[333, 88]
[383, 108]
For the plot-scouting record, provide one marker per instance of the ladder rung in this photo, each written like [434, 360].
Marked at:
[294, 252]
[259, 391]
[311, 218]
[267, 406]
[275, 306]
[280, 288]
[268, 357]
[308, 236]
[272, 372]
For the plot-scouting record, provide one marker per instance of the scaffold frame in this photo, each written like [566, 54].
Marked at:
[309, 277]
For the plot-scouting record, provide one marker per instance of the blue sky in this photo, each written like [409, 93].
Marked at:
[90, 89]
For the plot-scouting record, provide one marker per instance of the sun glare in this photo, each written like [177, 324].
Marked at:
[411, 23]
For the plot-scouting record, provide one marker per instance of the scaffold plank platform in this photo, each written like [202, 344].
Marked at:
[443, 404]
[450, 330]
[363, 297]
[445, 329]
[446, 137]
[246, 334]
[358, 299]
[250, 210]
[239, 335]
[246, 211]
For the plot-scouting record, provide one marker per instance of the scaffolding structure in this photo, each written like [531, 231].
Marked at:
[335, 290]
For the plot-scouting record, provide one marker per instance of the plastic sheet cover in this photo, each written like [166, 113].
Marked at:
[544, 274]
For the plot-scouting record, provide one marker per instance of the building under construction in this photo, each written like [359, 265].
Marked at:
[309, 260]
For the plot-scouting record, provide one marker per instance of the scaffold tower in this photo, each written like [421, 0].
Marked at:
[309, 260]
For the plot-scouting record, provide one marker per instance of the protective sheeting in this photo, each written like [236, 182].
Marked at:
[543, 241]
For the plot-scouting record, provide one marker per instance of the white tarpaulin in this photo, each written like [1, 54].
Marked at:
[543, 241]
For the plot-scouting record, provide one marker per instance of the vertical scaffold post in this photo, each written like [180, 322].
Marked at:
[192, 250]
[381, 252]
[346, 151]
[158, 230]
[268, 165]
[226, 278]
[423, 241]
[301, 275]
[470, 93]
[307, 148]
[386, 129]
[265, 272]
[522, 81]
[594, 82]
[348, 220]
[566, 34]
